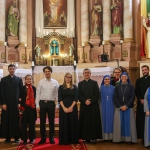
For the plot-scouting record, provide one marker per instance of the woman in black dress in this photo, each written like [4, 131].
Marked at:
[68, 113]
[28, 93]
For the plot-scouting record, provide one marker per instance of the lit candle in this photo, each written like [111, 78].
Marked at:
[103, 42]
[82, 43]
[25, 45]
[75, 63]
[121, 41]
[32, 63]
[16, 65]
[5, 43]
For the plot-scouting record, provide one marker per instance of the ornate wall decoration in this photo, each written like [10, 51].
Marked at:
[2, 55]
[125, 53]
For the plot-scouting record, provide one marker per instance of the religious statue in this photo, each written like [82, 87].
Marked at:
[53, 9]
[96, 18]
[63, 18]
[54, 47]
[38, 49]
[71, 48]
[147, 26]
[117, 14]
[13, 18]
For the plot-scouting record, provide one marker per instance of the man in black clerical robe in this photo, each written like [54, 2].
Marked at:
[140, 88]
[10, 90]
[89, 119]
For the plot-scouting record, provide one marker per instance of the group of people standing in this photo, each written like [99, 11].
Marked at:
[105, 113]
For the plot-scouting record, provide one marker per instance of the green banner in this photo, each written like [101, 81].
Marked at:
[148, 6]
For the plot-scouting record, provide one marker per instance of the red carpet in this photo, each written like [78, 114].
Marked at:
[48, 146]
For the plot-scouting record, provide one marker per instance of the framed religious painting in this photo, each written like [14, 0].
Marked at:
[55, 13]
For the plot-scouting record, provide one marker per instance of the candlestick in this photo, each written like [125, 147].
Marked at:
[32, 63]
[82, 43]
[75, 63]
[5, 43]
[121, 41]
[25, 45]
[103, 42]
[53, 61]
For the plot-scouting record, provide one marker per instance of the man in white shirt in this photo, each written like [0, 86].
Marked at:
[46, 94]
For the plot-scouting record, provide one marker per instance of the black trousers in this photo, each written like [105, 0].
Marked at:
[47, 107]
[28, 118]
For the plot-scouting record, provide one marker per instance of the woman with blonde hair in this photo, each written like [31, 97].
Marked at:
[117, 72]
[68, 113]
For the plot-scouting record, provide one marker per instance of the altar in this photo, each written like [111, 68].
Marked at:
[60, 71]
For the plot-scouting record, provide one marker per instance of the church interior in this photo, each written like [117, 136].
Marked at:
[72, 36]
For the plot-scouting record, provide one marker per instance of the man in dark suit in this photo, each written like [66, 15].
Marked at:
[10, 90]
[89, 119]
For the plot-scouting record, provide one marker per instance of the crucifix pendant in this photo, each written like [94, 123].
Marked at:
[123, 98]
[107, 97]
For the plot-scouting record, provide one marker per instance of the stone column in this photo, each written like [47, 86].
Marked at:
[106, 4]
[22, 29]
[84, 21]
[23, 21]
[2, 21]
[128, 21]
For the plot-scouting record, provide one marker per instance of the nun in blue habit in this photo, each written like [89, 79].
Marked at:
[107, 107]
[147, 118]
[124, 118]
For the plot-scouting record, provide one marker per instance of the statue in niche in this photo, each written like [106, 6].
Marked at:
[54, 47]
[71, 48]
[13, 18]
[147, 26]
[38, 50]
[53, 9]
[117, 14]
[96, 18]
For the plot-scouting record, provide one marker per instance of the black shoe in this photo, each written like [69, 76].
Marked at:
[42, 141]
[87, 141]
[17, 141]
[24, 142]
[52, 141]
[7, 141]
[94, 141]
[142, 142]
[130, 143]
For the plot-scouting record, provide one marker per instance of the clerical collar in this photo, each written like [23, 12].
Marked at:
[11, 76]
[86, 80]
[124, 83]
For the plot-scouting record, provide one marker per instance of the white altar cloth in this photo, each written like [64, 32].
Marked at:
[23, 72]
[58, 73]
[97, 71]
[1, 73]
[56, 69]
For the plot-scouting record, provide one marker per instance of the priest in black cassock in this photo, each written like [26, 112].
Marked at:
[10, 90]
[141, 86]
[89, 119]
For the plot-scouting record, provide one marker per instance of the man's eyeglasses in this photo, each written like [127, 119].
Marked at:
[68, 77]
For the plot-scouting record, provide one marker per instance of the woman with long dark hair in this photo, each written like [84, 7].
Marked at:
[27, 95]
[68, 113]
